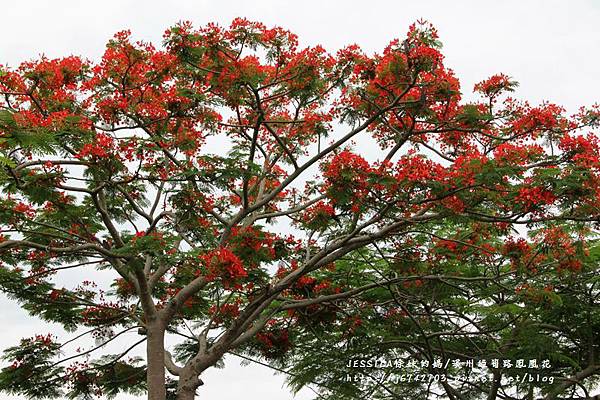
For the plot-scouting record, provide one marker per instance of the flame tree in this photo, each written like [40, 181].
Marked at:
[215, 183]
[473, 313]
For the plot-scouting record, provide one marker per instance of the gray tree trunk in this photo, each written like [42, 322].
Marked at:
[155, 353]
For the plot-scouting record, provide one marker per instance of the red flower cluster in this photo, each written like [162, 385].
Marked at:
[252, 245]
[413, 168]
[26, 209]
[495, 85]
[583, 150]
[318, 215]
[346, 176]
[519, 252]
[222, 263]
[225, 312]
[561, 248]
[274, 342]
[531, 197]
[101, 315]
[512, 154]
[533, 121]
[101, 148]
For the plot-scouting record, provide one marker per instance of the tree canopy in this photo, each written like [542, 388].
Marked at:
[234, 192]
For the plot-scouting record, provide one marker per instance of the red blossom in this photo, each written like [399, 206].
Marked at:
[495, 85]
[530, 197]
[223, 263]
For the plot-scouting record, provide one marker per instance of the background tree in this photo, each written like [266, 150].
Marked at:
[467, 294]
[214, 184]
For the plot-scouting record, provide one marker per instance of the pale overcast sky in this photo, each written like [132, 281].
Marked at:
[550, 47]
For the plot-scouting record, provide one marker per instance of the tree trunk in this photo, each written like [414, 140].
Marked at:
[155, 353]
[186, 395]
[188, 383]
